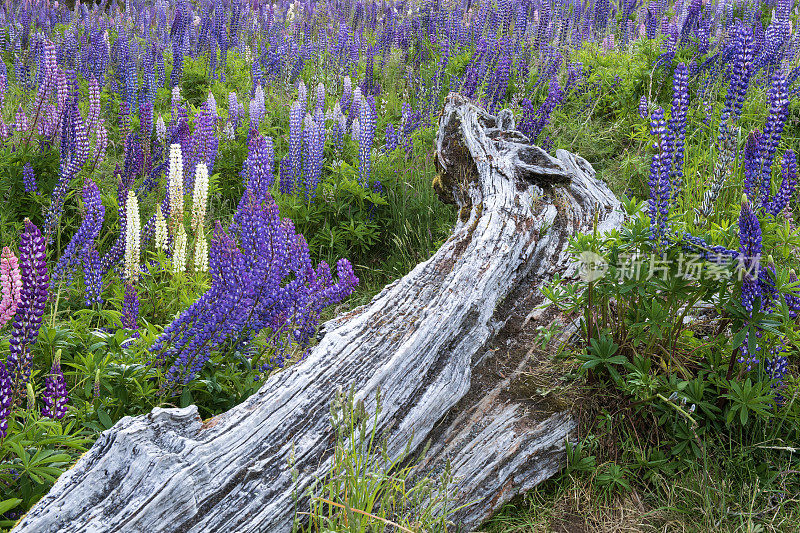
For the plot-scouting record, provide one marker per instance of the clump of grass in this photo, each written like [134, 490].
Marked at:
[369, 490]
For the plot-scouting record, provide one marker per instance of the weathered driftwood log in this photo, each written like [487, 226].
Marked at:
[445, 345]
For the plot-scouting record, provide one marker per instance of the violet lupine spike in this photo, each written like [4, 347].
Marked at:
[788, 184]
[233, 109]
[773, 129]
[48, 62]
[366, 136]
[749, 263]
[677, 127]
[777, 367]
[130, 307]
[793, 296]
[205, 144]
[257, 108]
[659, 203]
[287, 184]
[74, 153]
[741, 72]
[21, 121]
[84, 238]
[751, 164]
[33, 297]
[29, 179]
[55, 393]
[296, 140]
[391, 139]
[11, 282]
[315, 148]
[92, 277]
[258, 172]
[6, 398]
[644, 113]
[93, 118]
[249, 266]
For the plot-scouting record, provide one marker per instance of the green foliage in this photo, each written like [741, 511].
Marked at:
[33, 455]
[367, 490]
[18, 204]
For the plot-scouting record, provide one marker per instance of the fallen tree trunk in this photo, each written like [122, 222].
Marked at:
[447, 345]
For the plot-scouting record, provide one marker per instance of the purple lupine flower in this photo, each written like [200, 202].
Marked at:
[257, 108]
[643, 112]
[751, 164]
[338, 128]
[741, 71]
[315, 148]
[92, 277]
[130, 307]
[677, 126]
[28, 320]
[74, 153]
[6, 398]
[498, 86]
[93, 118]
[21, 121]
[29, 179]
[261, 278]
[410, 121]
[55, 393]
[146, 122]
[233, 109]
[258, 168]
[296, 139]
[177, 35]
[534, 122]
[749, 259]
[366, 136]
[205, 144]
[659, 182]
[347, 95]
[773, 129]
[287, 184]
[750, 250]
[84, 238]
[793, 296]
[391, 139]
[788, 184]
[319, 107]
[777, 367]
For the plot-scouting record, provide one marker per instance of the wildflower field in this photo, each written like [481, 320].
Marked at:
[191, 187]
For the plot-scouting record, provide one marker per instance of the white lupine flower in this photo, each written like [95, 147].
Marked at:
[132, 237]
[356, 129]
[212, 104]
[161, 130]
[200, 253]
[160, 230]
[175, 186]
[257, 106]
[199, 197]
[228, 131]
[179, 252]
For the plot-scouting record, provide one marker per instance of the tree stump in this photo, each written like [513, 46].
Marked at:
[448, 346]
